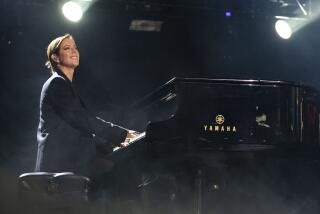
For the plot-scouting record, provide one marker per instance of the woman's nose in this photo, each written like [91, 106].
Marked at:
[74, 50]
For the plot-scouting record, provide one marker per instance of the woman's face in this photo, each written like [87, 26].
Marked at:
[68, 54]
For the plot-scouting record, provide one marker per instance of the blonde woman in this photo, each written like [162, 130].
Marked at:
[66, 133]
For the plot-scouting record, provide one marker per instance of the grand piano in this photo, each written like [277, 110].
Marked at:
[205, 139]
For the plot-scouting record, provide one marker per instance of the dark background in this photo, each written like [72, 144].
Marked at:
[119, 66]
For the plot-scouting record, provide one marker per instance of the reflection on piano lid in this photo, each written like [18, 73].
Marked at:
[227, 111]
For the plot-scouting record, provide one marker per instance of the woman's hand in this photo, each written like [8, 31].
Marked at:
[131, 135]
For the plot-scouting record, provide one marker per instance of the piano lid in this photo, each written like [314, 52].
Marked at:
[165, 91]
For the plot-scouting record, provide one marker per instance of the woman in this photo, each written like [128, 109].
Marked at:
[66, 133]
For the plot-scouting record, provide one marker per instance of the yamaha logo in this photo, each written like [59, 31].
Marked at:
[219, 119]
[218, 127]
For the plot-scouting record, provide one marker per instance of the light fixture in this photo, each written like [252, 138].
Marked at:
[302, 8]
[283, 29]
[145, 25]
[228, 13]
[72, 11]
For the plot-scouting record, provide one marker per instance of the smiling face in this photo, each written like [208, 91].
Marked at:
[68, 56]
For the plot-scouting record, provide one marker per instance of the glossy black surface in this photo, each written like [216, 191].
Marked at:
[256, 114]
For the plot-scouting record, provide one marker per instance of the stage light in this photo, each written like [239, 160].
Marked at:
[72, 11]
[228, 13]
[283, 29]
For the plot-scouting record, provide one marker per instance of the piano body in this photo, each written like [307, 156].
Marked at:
[207, 138]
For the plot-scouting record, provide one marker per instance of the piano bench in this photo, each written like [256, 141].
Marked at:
[45, 192]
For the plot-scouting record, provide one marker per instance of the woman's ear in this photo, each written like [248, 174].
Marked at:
[55, 58]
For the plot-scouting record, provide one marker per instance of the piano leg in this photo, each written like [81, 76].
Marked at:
[198, 192]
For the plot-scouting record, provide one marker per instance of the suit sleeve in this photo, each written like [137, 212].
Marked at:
[67, 105]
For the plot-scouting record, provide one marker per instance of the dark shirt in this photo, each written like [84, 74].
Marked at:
[67, 132]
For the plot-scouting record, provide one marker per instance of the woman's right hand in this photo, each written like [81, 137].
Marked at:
[131, 135]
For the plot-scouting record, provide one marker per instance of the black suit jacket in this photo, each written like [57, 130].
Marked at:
[66, 133]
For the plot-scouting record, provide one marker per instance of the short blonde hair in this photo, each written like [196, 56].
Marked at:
[53, 48]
